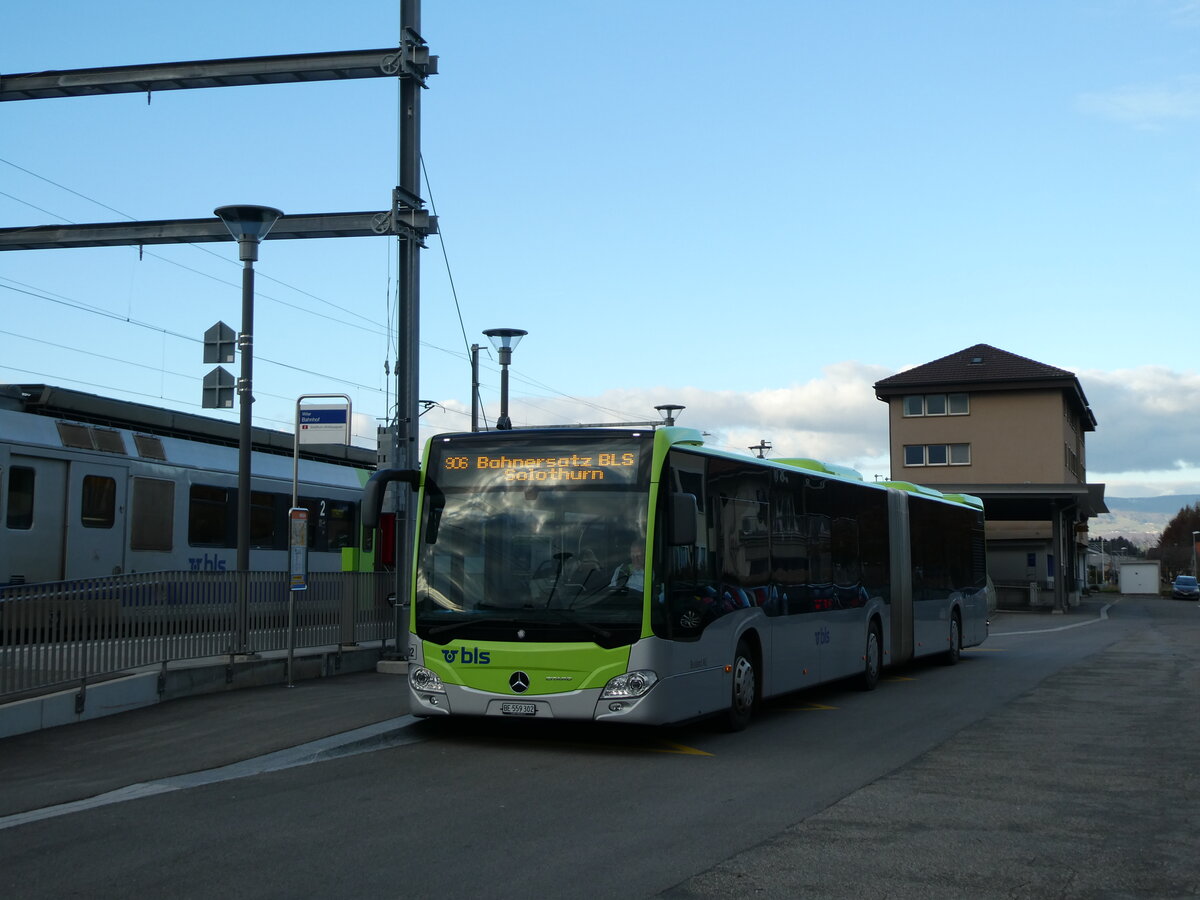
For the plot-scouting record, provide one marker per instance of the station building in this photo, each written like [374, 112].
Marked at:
[1011, 431]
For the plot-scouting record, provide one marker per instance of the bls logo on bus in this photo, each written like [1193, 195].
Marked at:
[822, 636]
[468, 657]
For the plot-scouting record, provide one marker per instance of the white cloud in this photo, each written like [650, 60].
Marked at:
[834, 418]
[1145, 443]
[1149, 106]
[1146, 423]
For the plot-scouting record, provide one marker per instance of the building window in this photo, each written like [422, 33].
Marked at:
[1074, 463]
[937, 405]
[937, 454]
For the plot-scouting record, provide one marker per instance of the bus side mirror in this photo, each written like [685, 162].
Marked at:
[372, 502]
[437, 502]
[682, 527]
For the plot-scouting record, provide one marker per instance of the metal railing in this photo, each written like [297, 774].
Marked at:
[70, 632]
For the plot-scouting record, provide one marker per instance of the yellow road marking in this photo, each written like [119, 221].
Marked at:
[899, 678]
[670, 747]
[811, 707]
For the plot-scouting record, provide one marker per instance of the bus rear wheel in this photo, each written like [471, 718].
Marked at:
[744, 690]
[872, 659]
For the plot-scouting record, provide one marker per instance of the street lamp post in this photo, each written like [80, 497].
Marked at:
[474, 387]
[505, 340]
[669, 411]
[248, 225]
[1194, 535]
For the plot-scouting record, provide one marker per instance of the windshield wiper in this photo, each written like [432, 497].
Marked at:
[560, 617]
[463, 623]
[568, 618]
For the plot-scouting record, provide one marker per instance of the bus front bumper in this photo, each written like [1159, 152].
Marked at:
[660, 705]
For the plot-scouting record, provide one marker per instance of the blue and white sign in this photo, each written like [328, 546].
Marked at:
[326, 424]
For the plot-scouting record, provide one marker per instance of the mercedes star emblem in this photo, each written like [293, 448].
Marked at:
[519, 682]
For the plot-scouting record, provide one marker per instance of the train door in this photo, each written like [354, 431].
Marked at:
[95, 542]
[32, 527]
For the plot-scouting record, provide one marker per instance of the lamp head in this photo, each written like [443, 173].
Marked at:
[669, 411]
[505, 340]
[249, 225]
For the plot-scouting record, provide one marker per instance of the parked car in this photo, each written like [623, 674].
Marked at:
[1185, 587]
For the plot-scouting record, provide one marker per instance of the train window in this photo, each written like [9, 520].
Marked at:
[78, 436]
[98, 502]
[340, 531]
[153, 508]
[20, 498]
[317, 522]
[108, 440]
[262, 519]
[331, 523]
[149, 447]
[212, 519]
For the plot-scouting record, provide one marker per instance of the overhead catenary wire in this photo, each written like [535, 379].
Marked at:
[223, 257]
[384, 330]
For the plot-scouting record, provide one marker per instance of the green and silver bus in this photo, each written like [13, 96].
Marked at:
[638, 576]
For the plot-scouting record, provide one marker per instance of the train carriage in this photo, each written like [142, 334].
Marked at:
[93, 487]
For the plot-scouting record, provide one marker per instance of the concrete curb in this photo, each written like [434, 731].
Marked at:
[187, 679]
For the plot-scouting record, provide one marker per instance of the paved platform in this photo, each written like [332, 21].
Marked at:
[73, 762]
[1086, 787]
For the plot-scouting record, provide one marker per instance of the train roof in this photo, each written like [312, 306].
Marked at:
[78, 406]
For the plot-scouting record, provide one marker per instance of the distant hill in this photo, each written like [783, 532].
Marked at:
[1140, 519]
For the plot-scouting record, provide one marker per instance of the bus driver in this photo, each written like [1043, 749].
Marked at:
[631, 575]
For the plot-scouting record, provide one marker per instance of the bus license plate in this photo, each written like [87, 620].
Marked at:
[518, 709]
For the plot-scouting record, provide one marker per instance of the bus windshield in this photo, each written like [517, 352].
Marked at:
[525, 540]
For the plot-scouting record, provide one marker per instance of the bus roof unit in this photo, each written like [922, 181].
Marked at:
[824, 468]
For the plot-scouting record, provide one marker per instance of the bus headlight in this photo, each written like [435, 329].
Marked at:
[631, 684]
[422, 679]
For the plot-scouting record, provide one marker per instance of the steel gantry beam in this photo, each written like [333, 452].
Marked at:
[410, 60]
[408, 223]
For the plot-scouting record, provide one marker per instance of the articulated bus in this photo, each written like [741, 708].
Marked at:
[640, 577]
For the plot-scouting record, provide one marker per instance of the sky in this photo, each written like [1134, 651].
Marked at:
[753, 210]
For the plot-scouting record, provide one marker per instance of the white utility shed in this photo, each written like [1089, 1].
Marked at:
[1139, 577]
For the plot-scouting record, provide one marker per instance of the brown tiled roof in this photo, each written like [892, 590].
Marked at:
[980, 364]
[984, 367]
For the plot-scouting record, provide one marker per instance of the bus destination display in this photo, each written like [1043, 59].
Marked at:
[587, 464]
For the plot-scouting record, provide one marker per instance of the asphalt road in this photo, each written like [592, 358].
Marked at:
[1057, 760]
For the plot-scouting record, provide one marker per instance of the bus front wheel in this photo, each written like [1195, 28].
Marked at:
[744, 689]
[872, 658]
[954, 651]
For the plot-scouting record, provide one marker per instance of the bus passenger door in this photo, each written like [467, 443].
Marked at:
[95, 527]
